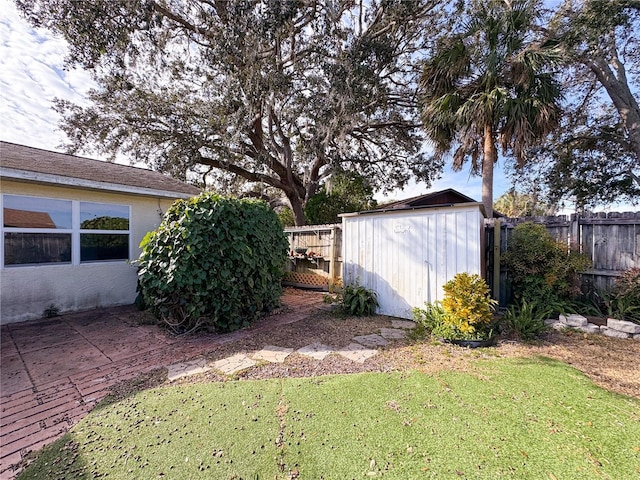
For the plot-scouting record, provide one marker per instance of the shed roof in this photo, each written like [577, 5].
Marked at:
[37, 165]
[442, 198]
[27, 219]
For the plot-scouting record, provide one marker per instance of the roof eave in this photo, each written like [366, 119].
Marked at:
[61, 180]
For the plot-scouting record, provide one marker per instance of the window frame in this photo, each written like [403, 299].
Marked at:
[75, 232]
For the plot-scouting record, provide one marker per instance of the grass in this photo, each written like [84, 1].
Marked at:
[516, 418]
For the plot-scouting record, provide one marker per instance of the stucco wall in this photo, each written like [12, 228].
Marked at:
[25, 292]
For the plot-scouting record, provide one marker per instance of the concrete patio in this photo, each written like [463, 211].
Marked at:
[55, 370]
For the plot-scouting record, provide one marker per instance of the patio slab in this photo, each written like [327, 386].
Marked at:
[179, 370]
[316, 350]
[273, 354]
[77, 358]
[63, 359]
[13, 375]
[43, 335]
[373, 340]
[357, 353]
[393, 333]
[233, 364]
[406, 324]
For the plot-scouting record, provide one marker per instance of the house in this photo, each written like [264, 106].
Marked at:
[70, 228]
[407, 250]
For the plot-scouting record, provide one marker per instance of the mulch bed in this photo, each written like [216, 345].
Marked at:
[611, 363]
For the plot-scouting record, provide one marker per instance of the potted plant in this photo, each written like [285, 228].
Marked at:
[466, 312]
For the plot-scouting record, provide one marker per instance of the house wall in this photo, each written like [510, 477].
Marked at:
[407, 256]
[26, 291]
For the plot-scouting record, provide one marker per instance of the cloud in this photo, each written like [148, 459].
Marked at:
[31, 62]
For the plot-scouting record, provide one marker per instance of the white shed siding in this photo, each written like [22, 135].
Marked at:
[407, 256]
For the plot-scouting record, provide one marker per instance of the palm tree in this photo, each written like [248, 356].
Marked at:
[517, 204]
[488, 85]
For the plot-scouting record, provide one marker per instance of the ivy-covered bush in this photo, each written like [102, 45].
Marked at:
[540, 268]
[214, 262]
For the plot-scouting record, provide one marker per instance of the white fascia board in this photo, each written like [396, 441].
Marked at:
[410, 209]
[36, 177]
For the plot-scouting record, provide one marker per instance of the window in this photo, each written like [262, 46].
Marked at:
[104, 232]
[38, 230]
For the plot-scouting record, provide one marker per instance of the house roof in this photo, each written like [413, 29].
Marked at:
[36, 165]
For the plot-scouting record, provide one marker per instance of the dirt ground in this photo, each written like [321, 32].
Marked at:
[611, 363]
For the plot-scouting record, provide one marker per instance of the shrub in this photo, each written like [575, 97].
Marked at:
[540, 267]
[430, 316]
[358, 300]
[627, 294]
[466, 309]
[213, 263]
[426, 319]
[622, 301]
[526, 319]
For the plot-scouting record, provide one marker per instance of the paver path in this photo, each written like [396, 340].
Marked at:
[356, 351]
[54, 371]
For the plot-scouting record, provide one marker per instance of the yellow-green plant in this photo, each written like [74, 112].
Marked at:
[468, 309]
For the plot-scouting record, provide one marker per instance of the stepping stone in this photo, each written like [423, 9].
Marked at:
[233, 364]
[272, 354]
[316, 350]
[179, 370]
[393, 333]
[373, 340]
[406, 324]
[356, 352]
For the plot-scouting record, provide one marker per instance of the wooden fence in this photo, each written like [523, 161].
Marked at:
[610, 240]
[315, 258]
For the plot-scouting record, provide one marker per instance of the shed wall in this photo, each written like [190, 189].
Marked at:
[406, 257]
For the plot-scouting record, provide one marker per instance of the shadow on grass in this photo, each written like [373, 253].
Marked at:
[61, 455]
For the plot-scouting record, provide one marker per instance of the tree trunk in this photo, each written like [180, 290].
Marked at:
[618, 90]
[488, 160]
[298, 210]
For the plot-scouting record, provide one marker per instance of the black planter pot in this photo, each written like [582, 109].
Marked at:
[473, 343]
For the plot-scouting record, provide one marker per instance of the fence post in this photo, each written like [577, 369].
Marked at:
[332, 261]
[496, 259]
[574, 232]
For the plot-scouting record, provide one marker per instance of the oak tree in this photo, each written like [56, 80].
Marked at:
[273, 92]
[594, 156]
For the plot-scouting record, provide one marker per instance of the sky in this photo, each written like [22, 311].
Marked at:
[32, 75]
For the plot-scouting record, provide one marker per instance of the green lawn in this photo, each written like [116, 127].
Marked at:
[518, 418]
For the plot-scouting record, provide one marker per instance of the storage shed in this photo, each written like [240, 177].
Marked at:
[406, 253]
